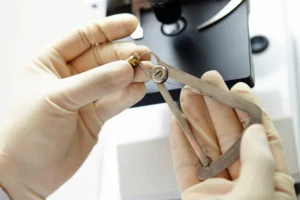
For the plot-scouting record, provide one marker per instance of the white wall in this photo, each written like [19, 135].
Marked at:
[27, 26]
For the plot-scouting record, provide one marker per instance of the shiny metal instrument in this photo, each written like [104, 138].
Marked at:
[161, 72]
[229, 8]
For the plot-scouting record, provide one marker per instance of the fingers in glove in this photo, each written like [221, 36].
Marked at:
[184, 158]
[211, 189]
[103, 31]
[106, 53]
[77, 91]
[196, 112]
[227, 125]
[257, 167]
[284, 196]
[139, 73]
[276, 146]
[111, 105]
[284, 184]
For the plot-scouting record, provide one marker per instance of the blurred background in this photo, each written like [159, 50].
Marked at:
[137, 165]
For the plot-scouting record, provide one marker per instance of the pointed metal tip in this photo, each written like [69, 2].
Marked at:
[229, 8]
[201, 27]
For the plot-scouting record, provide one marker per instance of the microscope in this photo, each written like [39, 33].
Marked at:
[194, 36]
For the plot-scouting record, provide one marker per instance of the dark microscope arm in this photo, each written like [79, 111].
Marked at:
[166, 11]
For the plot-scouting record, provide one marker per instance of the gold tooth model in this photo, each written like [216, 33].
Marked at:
[134, 60]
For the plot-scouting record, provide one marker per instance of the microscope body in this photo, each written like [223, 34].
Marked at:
[224, 46]
[166, 11]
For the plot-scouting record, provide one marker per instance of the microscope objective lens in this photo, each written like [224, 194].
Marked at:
[174, 28]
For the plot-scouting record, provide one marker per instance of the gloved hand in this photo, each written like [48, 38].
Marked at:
[261, 173]
[62, 99]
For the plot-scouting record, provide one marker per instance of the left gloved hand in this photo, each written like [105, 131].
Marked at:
[62, 99]
[261, 173]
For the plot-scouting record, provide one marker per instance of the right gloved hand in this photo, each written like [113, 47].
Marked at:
[261, 173]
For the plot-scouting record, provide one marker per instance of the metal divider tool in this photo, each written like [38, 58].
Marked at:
[207, 168]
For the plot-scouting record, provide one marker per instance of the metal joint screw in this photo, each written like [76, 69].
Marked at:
[159, 74]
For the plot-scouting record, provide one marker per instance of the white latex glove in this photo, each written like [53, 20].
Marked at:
[260, 174]
[62, 99]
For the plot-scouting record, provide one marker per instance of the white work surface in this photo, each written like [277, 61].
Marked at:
[132, 158]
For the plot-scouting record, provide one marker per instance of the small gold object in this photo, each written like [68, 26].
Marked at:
[134, 60]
